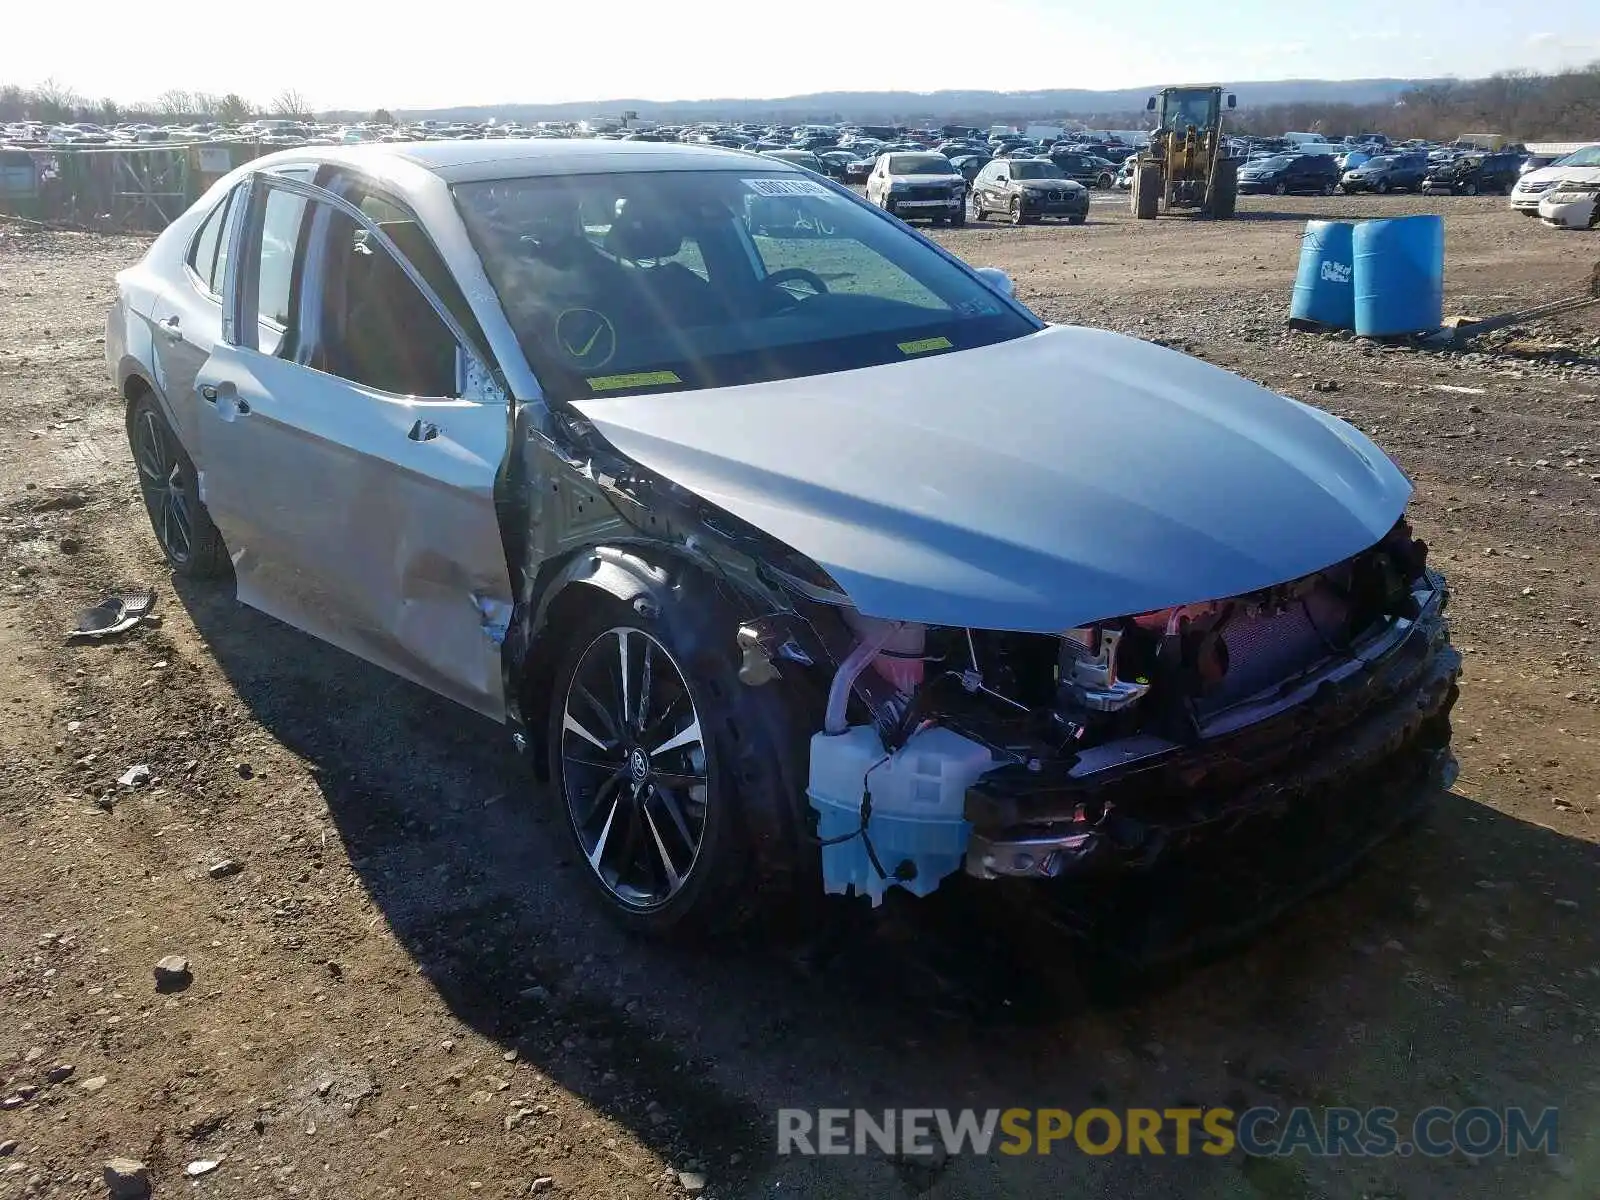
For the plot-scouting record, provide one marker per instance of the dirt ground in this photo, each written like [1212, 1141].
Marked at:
[402, 991]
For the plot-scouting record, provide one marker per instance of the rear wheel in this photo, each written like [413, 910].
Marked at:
[1225, 201]
[192, 544]
[1146, 192]
[1327, 189]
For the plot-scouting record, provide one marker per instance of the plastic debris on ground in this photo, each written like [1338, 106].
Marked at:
[115, 614]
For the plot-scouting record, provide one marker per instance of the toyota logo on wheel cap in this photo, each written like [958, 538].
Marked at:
[639, 766]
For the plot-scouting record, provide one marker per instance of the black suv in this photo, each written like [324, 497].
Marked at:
[1088, 169]
[1026, 189]
[1285, 173]
[1474, 173]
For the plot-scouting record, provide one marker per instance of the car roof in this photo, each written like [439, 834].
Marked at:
[461, 162]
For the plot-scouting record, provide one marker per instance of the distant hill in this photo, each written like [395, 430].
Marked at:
[954, 105]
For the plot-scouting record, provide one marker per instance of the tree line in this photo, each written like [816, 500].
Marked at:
[53, 103]
[1522, 105]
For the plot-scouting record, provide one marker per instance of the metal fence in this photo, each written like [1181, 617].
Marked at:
[116, 187]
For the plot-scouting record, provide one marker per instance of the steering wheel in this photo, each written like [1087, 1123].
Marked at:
[795, 275]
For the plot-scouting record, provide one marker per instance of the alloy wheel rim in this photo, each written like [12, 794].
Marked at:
[166, 488]
[634, 768]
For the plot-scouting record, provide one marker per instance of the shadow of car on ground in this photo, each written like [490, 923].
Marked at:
[1393, 990]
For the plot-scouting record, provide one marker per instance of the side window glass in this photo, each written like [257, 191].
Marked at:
[203, 253]
[376, 327]
[230, 220]
[280, 235]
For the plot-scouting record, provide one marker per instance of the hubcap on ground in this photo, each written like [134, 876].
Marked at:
[166, 486]
[634, 767]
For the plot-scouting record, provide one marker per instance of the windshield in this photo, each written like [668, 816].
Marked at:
[1031, 169]
[1383, 160]
[1276, 163]
[1589, 156]
[1183, 109]
[920, 164]
[631, 282]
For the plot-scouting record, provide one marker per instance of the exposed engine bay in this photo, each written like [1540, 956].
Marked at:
[1038, 735]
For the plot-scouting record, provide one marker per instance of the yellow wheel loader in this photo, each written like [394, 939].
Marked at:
[1186, 166]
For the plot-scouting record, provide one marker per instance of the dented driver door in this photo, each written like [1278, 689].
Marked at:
[350, 445]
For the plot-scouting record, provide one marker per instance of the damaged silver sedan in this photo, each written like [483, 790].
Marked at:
[795, 552]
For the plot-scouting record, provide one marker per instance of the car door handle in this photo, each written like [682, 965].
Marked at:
[213, 392]
[423, 431]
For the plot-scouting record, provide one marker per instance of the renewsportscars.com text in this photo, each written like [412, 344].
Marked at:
[1263, 1131]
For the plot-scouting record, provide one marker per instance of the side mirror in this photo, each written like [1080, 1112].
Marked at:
[997, 280]
[1233, 101]
[1150, 104]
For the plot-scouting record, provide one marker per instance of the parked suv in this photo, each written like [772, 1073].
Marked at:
[1284, 173]
[1088, 169]
[1387, 173]
[1026, 189]
[1474, 173]
[918, 185]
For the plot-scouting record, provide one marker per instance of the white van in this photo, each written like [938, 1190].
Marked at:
[1580, 166]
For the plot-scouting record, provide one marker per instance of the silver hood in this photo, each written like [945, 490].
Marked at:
[1034, 485]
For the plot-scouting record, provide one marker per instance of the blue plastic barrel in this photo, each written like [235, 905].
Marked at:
[1324, 294]
[1399, 268]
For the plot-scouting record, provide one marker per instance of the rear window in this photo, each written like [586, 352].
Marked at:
[631, 282]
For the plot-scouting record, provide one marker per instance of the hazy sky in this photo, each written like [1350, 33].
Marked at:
[410, 55]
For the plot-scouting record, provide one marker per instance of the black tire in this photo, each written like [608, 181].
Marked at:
[889, 205]
[752, 744]
[1382, 187]
[1147, 188]
[977, 208]
[1225, 183]
[1105, 180]
[958, 218]
[1077, 218]
[1469, 189]
[189, 540]
[1015, 211]
[1327, 189]
[1280, 189]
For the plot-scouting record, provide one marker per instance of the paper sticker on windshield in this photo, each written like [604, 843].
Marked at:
[788, 187]
[925, 345]
[639, 379]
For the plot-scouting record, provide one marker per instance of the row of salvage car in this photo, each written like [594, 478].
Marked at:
[767, 528]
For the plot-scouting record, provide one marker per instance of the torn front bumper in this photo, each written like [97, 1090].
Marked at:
[1375, 721]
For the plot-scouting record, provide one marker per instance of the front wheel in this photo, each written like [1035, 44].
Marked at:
[1015, 211]
[1469, 189]
[677, 781]
[1077, 218]
[1327, 189]
[977, 209]
[192, 544]
[1383, 187]
[1280, 189]
[958, 217]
